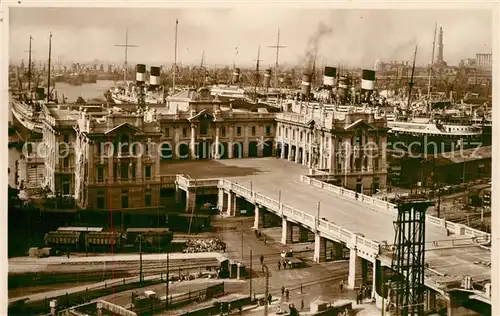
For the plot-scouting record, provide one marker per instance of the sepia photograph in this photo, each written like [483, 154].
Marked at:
[249, 160]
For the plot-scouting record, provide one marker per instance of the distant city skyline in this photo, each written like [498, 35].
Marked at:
[355, 38]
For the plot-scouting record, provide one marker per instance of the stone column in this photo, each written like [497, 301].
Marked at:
[331, 161]
[297, 154]
[282, 144]
[231, 204]
[190, 201]
[351, 281]
[53, 305]
[245, 140]
[258, 218]
[222, 201]
[309, 155]
[192, 144]
[321, 149]
[231, 140]
[319, 248]
[286, 232]
[290, 152]
[217, 149]
[99, 308]
[374, 278]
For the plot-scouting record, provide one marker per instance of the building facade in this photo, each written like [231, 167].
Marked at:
[117, 154]
[349, 147]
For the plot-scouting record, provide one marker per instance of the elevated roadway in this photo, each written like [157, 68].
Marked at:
[452, 250]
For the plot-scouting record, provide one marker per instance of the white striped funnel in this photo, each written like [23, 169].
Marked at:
[306, 84]
[329, 76]
[154, 76]
[140, 73]
[368, 80]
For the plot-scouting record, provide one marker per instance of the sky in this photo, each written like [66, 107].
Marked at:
[351, 37]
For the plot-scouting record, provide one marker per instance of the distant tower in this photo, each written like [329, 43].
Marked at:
[440, 46]
[440, 59]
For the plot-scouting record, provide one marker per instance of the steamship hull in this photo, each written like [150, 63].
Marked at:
[26, 126]
[414, 142]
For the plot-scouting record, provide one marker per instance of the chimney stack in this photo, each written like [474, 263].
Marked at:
[267, 78]
[236, 76]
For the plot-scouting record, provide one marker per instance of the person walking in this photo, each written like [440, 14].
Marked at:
[279, 265]
[282, 291]
[261, 259]
[287, 294]
[341, 285]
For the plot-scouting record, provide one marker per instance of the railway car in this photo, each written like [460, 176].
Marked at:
[65, 240]
[153, 239]
[104, 241]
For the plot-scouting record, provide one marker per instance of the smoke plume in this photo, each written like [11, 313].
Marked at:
[314, 43]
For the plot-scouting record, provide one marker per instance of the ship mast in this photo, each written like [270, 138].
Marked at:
[175, 57]
[258, 60]
[277, 46]
[411, 80]
[126, 45]
[29, 67]
[430, 67]
[48, 75]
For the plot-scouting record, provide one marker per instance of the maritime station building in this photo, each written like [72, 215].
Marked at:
[125, 157]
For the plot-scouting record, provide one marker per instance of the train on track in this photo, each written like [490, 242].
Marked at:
[96, 239]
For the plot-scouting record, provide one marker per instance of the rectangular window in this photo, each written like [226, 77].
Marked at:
[238, 130]
[115, 170]
[301, 136]
[124, 171]
[147, 200]
[223, 131]
[100, 174]
[253, 130]
[184, 132]
[167, 132]
[125, 201]
[147, 172]
[376, 164]
[66, 138]
[268, 130]
[100, 202]
[99, 151]
[133, 171]
[66, 187]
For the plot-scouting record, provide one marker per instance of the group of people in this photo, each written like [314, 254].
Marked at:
[204, 245]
